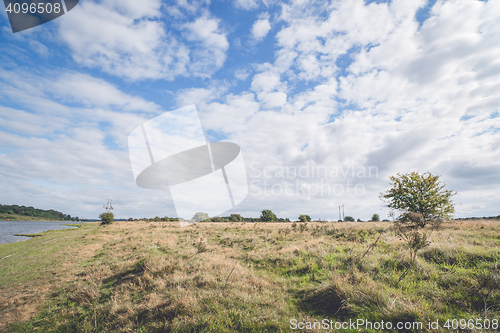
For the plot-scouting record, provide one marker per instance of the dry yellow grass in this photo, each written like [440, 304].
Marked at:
[157, 276]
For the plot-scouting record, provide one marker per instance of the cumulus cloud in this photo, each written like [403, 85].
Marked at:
[412, 97]
[92, 92]
[214, 44]
[351, 87]
[129, 40]
[65, 145]
[246, 4]
[261, 27]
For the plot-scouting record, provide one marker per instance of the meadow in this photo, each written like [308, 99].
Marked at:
[248, 277]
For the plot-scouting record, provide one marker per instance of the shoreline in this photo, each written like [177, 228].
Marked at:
[17, 231]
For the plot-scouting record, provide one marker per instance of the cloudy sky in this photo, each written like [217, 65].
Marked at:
[325, 99]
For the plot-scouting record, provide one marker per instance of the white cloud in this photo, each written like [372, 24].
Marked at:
[241, 74]
[261, 27]
[351, 85]
[246, 4]
[58, 156]
[231, 116]
[38, 93]
[129, 40]
[92, 92]
[404, 95]
[213, 53]
[199, 96]
[39, 48]
[266, 81]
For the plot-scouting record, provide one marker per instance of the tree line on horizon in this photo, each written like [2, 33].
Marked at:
[420, 199]
[266, 216]
[50, 214]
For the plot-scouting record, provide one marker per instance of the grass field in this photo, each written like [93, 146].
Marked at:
[246, 277]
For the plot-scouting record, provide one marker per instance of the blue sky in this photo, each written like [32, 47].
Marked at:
[337, 86]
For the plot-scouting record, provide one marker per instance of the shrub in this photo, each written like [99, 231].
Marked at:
[411, 227]
[375, 218]
[107, 218]
[236, 218]
[349, 219]
[304, 218]
[267, 216]
[302, 227]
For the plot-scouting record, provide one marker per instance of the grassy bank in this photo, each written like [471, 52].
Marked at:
[251, 277]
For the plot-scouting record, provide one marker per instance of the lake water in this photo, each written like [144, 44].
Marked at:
[9, 229]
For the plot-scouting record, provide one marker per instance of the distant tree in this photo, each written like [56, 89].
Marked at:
[200, 216]
[359, 220]
[419, 193]
[236, 218]
[157, 219]
[304, 218]
[267, 216]
[349, 219]
[130, 219]
[375, 218]
[107, 218]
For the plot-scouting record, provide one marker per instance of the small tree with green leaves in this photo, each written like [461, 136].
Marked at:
[236, 218]
[421, 200]
[419, 193]
[267, 216]
[304, 218]
[107, 218]
[200, 217]
[375, 218]
[348, 219]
